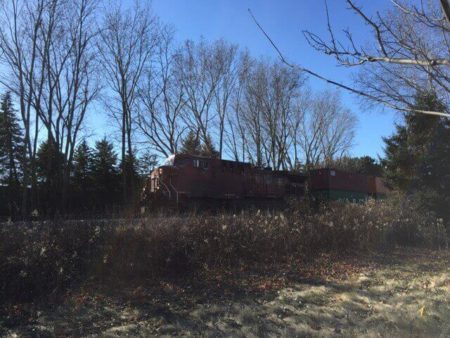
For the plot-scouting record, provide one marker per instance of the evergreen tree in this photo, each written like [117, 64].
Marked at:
[369, 166]
[399, 161]
[12, 151]
[191, 144]
[105, 173]
[145, 164]
[129, 168]
[81, 179]
[364, 165]
[11, 143]
[49, 168]
[49, 164]
[207, 148]
[82, 165]
[417, 156]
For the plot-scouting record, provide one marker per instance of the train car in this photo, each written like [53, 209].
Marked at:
[184, 179]
[377, 188]
[332, 184]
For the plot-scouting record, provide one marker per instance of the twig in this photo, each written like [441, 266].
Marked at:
[338, 84]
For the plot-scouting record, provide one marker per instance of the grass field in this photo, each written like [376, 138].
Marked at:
[402, 293]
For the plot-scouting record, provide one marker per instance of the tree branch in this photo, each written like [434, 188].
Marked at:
[338, 84]
[446, 9]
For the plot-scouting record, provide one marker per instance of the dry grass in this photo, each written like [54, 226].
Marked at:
[44, 259]
[405, 292]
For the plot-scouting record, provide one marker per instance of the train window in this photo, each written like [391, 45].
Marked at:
[204, 164]
[182, 162]
[201, 164]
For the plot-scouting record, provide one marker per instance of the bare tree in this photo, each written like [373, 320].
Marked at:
[47, 48]
[283, 88]
[199, 75]
[327, 128]
[127, 42]
[338, 126]
[296, 128]
[226, 59]
[311, 128]
[74, 82]
[427, 24]
[19, 39]
[251, 117]
[236, 133]
[408, 52]
[66, 84]
[266, 103]
[236, 137]
[162, 100]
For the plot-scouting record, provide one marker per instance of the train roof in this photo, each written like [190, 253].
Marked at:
[208, 158]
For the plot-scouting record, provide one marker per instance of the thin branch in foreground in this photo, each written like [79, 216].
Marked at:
[338, 84]
[446, 8]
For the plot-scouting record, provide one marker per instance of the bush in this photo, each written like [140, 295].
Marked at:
[38, 259]
[44, 258]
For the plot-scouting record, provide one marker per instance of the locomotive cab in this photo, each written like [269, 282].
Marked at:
[159, 177]
[156, 185]
[176, 178]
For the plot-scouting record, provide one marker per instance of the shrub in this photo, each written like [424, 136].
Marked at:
[38, 259]
[44, 258]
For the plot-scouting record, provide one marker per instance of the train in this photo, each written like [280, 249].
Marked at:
[185, 180]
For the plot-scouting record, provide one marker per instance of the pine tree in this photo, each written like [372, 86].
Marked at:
[12, 151]
[49, 168]
[49, 164]
[191, 144]
[398, 161]
[81, 179]
[364, 165]
[129, 167]
[82, 166]
[146, 163]
[417, 156]
[105, 158]
[105, 173]
[11, 143]
[207, 148]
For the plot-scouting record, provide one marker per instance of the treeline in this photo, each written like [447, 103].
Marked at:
[95, 181]
[65, 60]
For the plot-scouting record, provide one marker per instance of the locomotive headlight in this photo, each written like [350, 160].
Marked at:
[160, 171]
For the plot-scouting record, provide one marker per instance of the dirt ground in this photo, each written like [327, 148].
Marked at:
[404, 293]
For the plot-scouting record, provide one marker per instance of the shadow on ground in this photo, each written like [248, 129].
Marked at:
[406, 292]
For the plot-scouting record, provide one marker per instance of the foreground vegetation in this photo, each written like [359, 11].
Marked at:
[302, 271]
[45, 258]
[401, 293]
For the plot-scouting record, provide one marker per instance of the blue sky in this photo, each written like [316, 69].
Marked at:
[284, 20]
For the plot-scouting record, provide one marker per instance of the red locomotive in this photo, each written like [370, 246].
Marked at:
[187, 179]
[183, 179]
